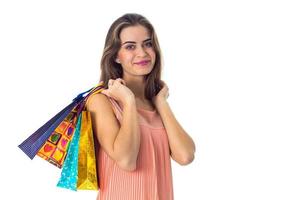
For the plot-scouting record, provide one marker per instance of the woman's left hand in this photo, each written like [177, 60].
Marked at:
[162, 95]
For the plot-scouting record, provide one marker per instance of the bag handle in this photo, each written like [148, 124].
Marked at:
[97, 89]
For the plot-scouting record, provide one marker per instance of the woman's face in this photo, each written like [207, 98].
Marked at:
[136, 54]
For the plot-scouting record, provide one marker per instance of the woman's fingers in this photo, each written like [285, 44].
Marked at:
[109, 84]
[112, 81]
[117, 89]
[121, 81]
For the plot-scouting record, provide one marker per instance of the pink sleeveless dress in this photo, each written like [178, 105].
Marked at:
[152, 179]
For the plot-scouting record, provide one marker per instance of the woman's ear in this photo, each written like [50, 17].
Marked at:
[117, 60]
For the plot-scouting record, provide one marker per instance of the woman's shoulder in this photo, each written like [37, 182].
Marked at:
[97, 100]
[101, 103]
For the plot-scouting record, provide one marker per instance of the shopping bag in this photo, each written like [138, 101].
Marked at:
[55, 148]
[87, 174]
[87, 170]
[68, 178]
[59, 140]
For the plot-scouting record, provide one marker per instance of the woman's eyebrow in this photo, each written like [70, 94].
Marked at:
[135, 42]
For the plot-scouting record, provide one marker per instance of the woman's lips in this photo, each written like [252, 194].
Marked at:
[143, 62]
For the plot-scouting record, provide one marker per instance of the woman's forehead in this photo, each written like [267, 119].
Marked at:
[134, 33]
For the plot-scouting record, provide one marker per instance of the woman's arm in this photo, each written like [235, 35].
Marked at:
[127, 143]
[120, 142]
[181, 144]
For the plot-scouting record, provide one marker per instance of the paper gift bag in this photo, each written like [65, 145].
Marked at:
[87, 174]
[68, 133]
[69, 174]
[55, 148]
[68, 178]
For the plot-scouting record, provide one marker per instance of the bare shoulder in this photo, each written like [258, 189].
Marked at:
[102, 110]
[98, 101]
[105, 123]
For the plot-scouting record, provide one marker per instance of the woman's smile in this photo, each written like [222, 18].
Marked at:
[143, 63]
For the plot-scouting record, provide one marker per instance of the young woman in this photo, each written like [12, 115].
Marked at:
[132, 120]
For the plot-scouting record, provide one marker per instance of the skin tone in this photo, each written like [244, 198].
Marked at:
[136, 46]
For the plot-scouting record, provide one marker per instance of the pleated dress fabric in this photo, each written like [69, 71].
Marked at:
[152, 178]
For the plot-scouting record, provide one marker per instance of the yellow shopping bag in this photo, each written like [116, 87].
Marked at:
[87, 174]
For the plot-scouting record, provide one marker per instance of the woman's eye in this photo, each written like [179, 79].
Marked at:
[148, 44]
[129, 47]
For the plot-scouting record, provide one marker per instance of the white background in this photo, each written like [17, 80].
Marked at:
[232, 68]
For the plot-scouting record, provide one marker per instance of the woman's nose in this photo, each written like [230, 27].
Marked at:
[141, 51]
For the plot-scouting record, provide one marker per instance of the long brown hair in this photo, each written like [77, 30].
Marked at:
[112, 70]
